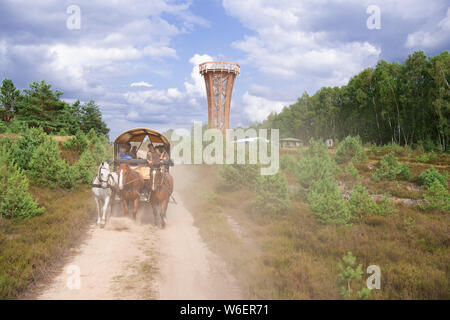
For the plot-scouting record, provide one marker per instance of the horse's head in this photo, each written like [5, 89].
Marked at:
[103, 172]
[123, 174]
[155, 178]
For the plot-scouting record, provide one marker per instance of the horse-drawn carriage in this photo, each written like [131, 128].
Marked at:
[140, 174]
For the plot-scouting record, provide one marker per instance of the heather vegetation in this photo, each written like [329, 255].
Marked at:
[43, 179]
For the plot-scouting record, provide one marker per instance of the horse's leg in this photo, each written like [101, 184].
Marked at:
[125, 207]
[135, 207]
[155, 217]
[98, 208]
[162, 214]
[164, 210]
[105, 206]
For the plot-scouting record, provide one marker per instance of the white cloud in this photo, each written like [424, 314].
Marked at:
[141, 84]
[196, 84]
[438, 35]
[258, 108]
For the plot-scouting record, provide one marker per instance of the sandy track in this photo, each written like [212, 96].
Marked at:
[129, 260]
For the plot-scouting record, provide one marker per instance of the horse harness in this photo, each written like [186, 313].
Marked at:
[99, 177]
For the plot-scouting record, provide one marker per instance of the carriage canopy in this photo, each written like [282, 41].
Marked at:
[139, 134]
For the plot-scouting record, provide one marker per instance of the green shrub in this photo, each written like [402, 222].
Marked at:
[351, 170]
[78, 143]
[390, 169]
[361, 203]
[85, 168]
[17, 126]
[46, 166]
[272, 194]
[289, 163]
[236, 176]
[3, 126]
[348, 273]
[16, 202]
[423, 158]
[405, 173]
[427, 177]
[350, 149]
[315, 164]
[23, 149]
[437, 196]
[327, 203]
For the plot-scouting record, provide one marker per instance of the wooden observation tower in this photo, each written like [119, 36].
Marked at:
[219, 79]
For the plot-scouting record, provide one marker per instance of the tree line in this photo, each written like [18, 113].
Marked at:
[404, 103]
[40, 106]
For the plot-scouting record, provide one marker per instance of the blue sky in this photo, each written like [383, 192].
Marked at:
[138, 59]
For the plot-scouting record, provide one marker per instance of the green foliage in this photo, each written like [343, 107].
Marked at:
[85, 168]
[16, 202]
[327, 203]
[390, 169]
[23, 149]
[9, 96]
[361, 203]
[78, 143]
[17, 126]
[236, 176]
[351, 170]
[315, 164]
[406, 103]
[3, 127]
[91, 119]
[289, 163]
[350, 149]
[423, 158]
[437, 196]
[428, 177]
[348, 273]
[272, 194]
[46, 166]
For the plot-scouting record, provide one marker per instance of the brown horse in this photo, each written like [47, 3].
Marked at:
[130, 183]
[161, 186]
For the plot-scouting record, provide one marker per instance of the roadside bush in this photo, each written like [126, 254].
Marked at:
[99, 152]
[16, 202]
[272, 194]
[327, 203]
[85, 168]
[390, 169]
[47, 167]
[350, 149]
[427, 178]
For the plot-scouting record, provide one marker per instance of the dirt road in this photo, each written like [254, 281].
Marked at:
[128, 260]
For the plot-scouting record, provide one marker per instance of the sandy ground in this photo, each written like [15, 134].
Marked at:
[135, 260]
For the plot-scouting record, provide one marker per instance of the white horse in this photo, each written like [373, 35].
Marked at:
[102, 186]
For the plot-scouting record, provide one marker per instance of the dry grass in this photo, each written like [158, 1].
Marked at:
[29, 247]
[294, 257]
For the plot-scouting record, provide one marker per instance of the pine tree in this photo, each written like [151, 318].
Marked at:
[16, 202]
[9, 96]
